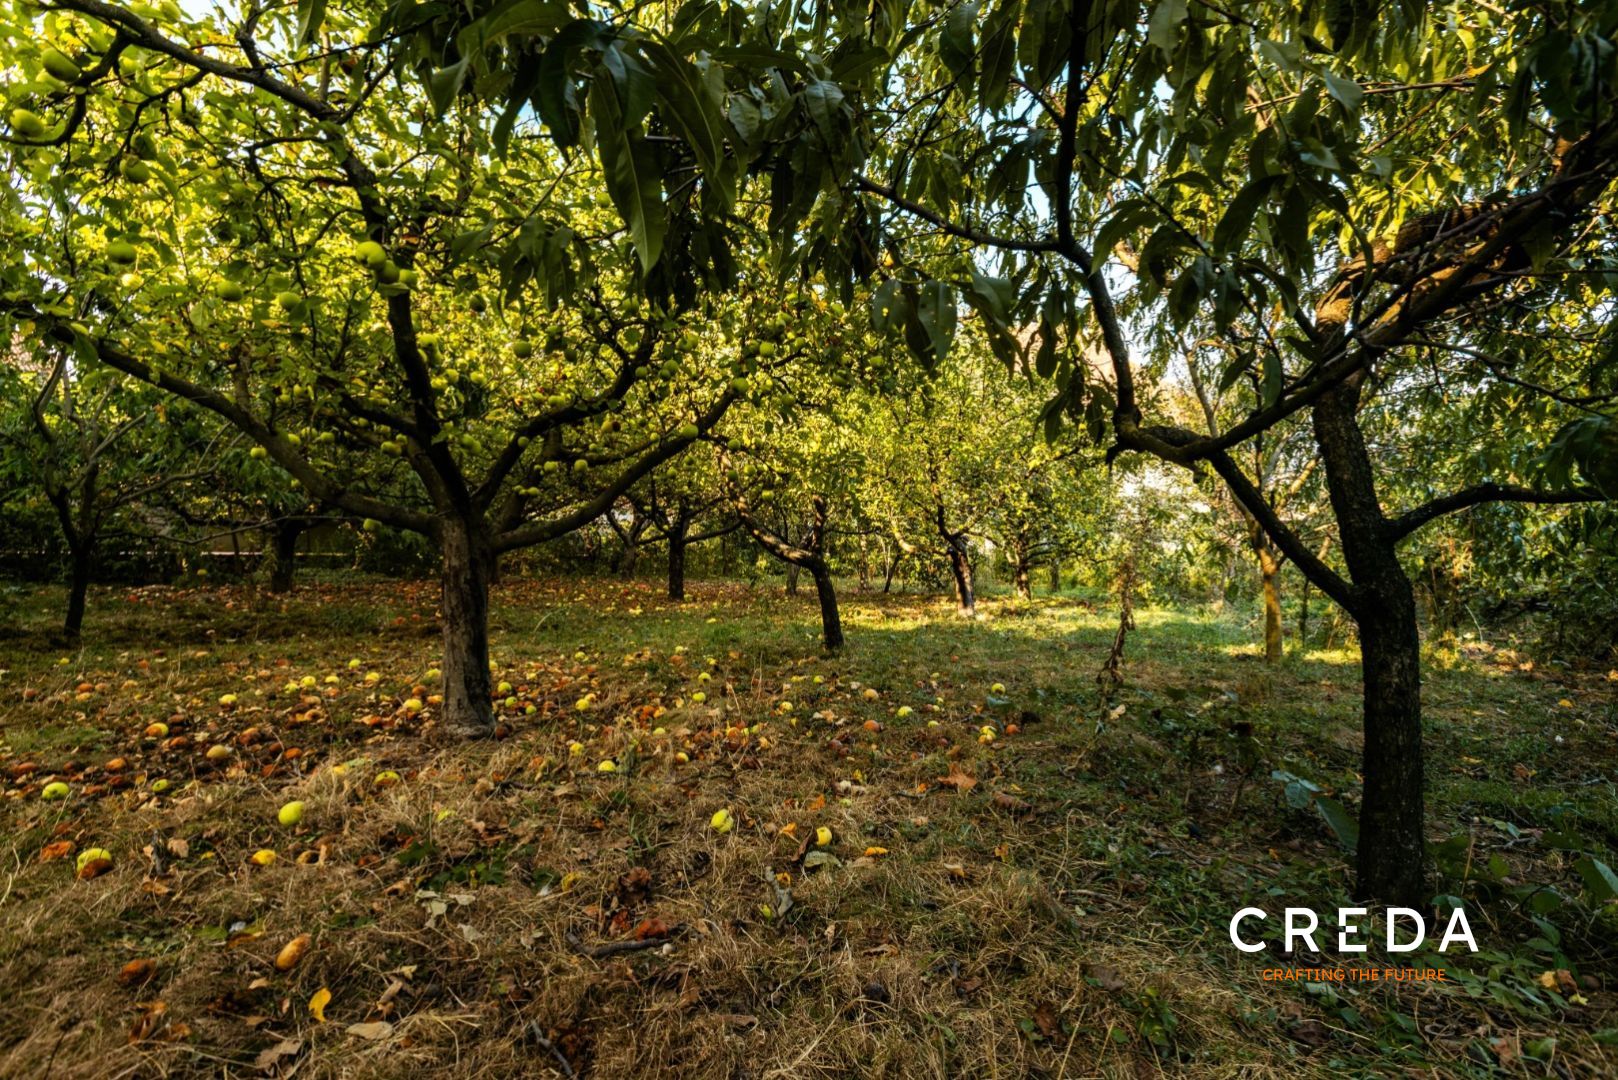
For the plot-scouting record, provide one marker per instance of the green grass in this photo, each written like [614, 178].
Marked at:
[1065, 915]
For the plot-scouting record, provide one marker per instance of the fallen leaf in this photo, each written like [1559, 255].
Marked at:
[61, 849]
[376, 1029]
[271, 1056]
[137, 972]
[1045, 1016]
[959, 780]
[318, 1003]
[1011, 804]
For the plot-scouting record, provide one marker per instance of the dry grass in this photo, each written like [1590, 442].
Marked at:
[1059, 918]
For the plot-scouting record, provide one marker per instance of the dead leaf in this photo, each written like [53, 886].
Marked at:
[151, 1018]
[375, 1030]
[271, 1056]
[1049, 1024]
[318, 1003]
[1011, 804]
[61, 849]
[137, 972]
[959, 780]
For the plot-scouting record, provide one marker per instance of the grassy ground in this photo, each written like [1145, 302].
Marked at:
[1022, 879]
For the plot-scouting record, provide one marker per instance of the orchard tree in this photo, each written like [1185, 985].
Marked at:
[954, 456]
[677, 500]
[346, 277]
[101, 449]
[1339, 192]
[1281, 463]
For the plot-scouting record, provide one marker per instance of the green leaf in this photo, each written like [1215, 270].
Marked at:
[890, 307]
[955, 47]
[935, 310]
[823, 100]
[1163, 27]
[1347, 92]
[311, 16]
[445, 83]
[1238, 217]
[998, 295]
[1045, 355]
[1270, 378]
[1342, 823]
[629, 167]
[1599, 879]
[555, 99]
[999, 55]
[1234, 370]
[1127, 216]
[526, 17]
[692, 104]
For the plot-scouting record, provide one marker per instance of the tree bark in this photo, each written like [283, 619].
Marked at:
[1056, 576]
[792, 579]
[960, 564]
[283, 554]
[831, 623]
[1269, 569]
[467, 557]
[1021, 568]
[1391, 855]
[960, 567]
[810, 556]
[82, 563]
[679, 528]
[1303, 615]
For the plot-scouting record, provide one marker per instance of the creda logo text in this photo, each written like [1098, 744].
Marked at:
[1302, 924]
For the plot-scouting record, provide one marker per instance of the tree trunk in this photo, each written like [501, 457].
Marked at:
[466, 561]
[284, 554]
[1392, 847]
[792, 580]
[960, 566]
[677, 534]
[1269, 567]
[1019, 552]
[1391, 856]
[82, 562]
[831, 623]
[1056, 576]
[1303, 615]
